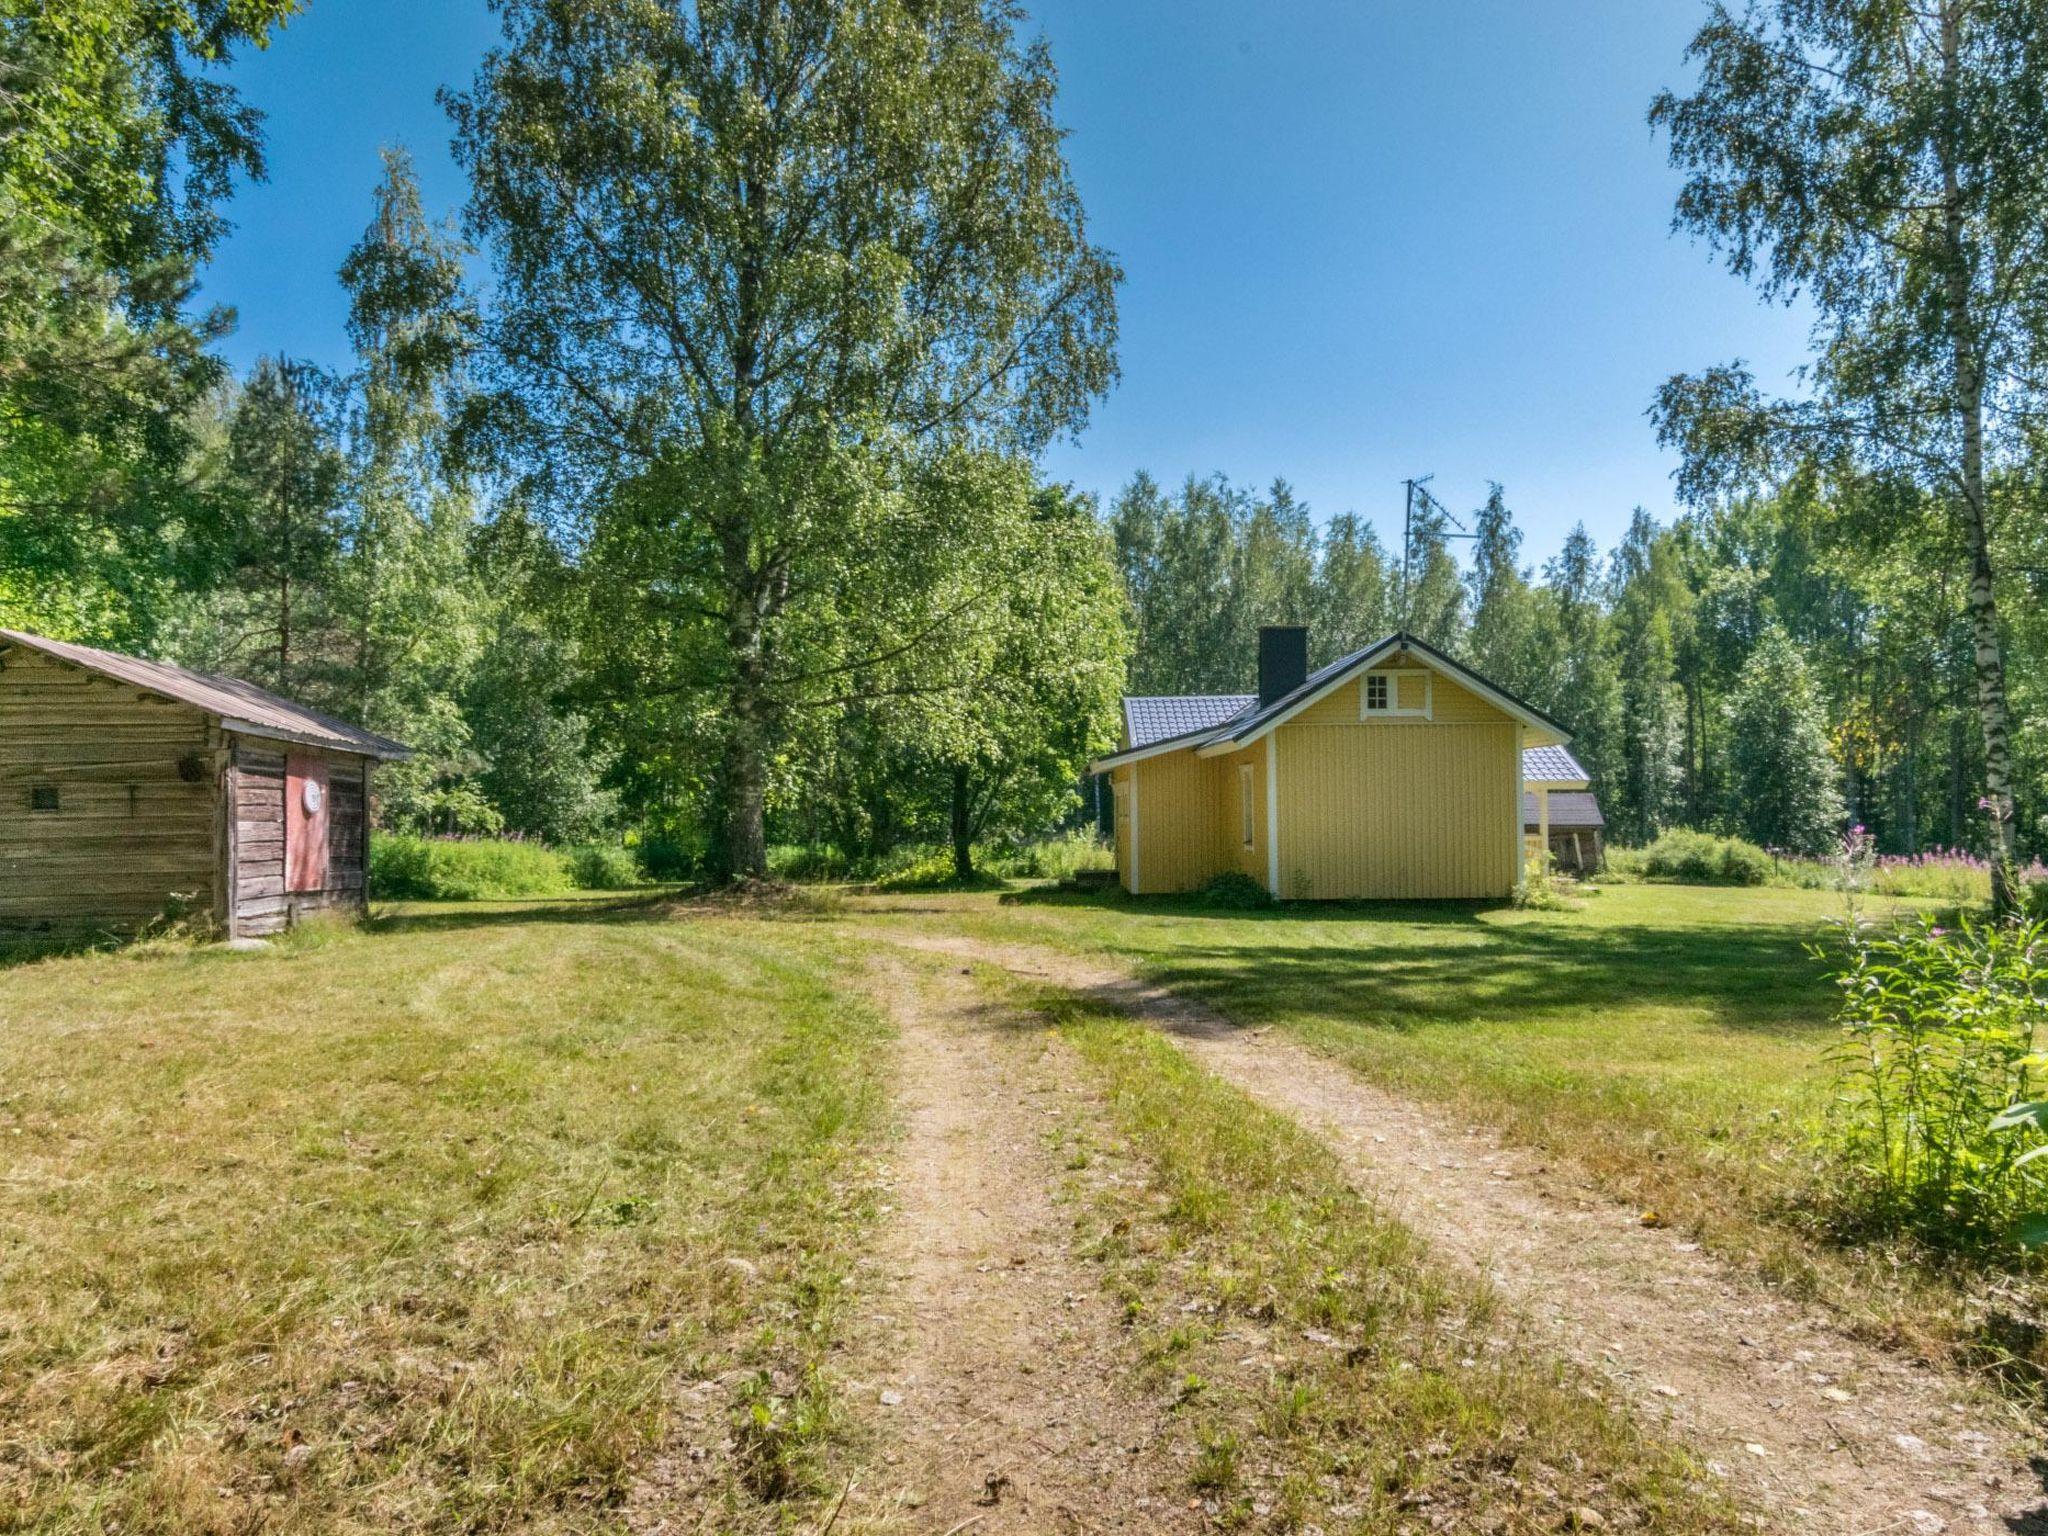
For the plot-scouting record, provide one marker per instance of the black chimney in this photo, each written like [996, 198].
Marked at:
[1283, 660]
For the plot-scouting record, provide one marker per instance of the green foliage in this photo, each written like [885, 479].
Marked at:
[1059, 857]
[1782, 773]
[1877, 161]
[409, 868]
[603, 867]
[1539, 890]
[669, 860]
[763, 379]
[1503, 642]
[119, 139]
[1700, 858]
[1233, 891]
[1940, 1036]
[931, 870]
[998, 756]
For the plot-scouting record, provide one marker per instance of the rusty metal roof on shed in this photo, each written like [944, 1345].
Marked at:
[241, 706]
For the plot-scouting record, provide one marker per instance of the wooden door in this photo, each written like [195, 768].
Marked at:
[305, 823]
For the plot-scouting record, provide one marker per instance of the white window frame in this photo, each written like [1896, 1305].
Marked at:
[1394, 711]
[1248, 810]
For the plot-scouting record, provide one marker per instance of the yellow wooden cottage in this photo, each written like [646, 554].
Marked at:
[1392, 773]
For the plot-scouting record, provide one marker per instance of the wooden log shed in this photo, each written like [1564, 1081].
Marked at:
[132, 789]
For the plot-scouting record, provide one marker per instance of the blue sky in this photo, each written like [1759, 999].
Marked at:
[1363, 239]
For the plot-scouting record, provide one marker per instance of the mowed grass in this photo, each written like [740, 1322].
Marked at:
[1666, 1040]
[415, 1227]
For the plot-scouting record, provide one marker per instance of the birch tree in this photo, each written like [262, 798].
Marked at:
[1884, 160]
[760, 264]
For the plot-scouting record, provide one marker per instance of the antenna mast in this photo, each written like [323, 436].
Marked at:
[1420, 496]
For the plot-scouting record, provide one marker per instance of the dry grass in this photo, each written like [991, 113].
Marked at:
[413, 1228]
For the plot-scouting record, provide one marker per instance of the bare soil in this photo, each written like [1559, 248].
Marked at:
[1816, 1429]
[990, 1366]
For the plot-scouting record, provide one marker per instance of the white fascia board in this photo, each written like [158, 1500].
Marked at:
[1541, 732]
[1139, 754]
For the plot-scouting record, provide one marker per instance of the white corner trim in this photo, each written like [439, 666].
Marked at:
[1272, 817]
[1134, 828]
[1521, 793]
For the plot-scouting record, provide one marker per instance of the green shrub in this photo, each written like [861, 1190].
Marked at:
[801, 862]
[1059, 857]
[1234, 892]
[1700, 858]
[1540, 890]
[451, 869]
[603, 867]
[930, 869]
[669, 860]
[1939, 1037]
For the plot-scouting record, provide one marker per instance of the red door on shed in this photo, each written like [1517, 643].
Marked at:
[305, 824]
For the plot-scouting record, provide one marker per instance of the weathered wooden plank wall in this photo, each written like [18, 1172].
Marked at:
[132, 830]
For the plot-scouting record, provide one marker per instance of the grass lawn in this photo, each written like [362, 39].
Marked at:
[413, 1227]
[1665, 1039]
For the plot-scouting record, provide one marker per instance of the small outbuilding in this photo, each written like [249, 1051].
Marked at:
[1560, 812]
[132, 789]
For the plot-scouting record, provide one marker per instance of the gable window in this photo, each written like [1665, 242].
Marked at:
[44, 797]
[1244, 795]
[1407, 695]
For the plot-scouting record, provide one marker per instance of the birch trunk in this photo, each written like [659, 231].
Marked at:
[1988, 655]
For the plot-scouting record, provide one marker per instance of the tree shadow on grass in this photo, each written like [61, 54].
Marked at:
[667, 905]
[18, 949]
[1407, 965]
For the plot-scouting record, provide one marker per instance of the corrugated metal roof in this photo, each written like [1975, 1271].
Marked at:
[1571, 810]
[1551, 764]
[1155, 718]
[241, 706]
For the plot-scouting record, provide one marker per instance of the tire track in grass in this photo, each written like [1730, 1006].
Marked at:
[990, 1371]
[1822, 1431]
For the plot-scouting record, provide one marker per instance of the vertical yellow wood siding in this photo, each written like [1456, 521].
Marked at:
[1120, 816]
[1231, 852]
[1178, 845]
[1379, 810]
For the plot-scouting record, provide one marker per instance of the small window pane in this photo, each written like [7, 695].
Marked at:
[1376, 692]
[44, 797]
[1244, 782]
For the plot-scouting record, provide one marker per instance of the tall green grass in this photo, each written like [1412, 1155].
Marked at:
[407, 868]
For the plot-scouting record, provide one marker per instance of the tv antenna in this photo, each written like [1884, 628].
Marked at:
[1421, 499]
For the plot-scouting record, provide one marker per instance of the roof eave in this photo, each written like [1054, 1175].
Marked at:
[382, 751]
[1178, 743]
